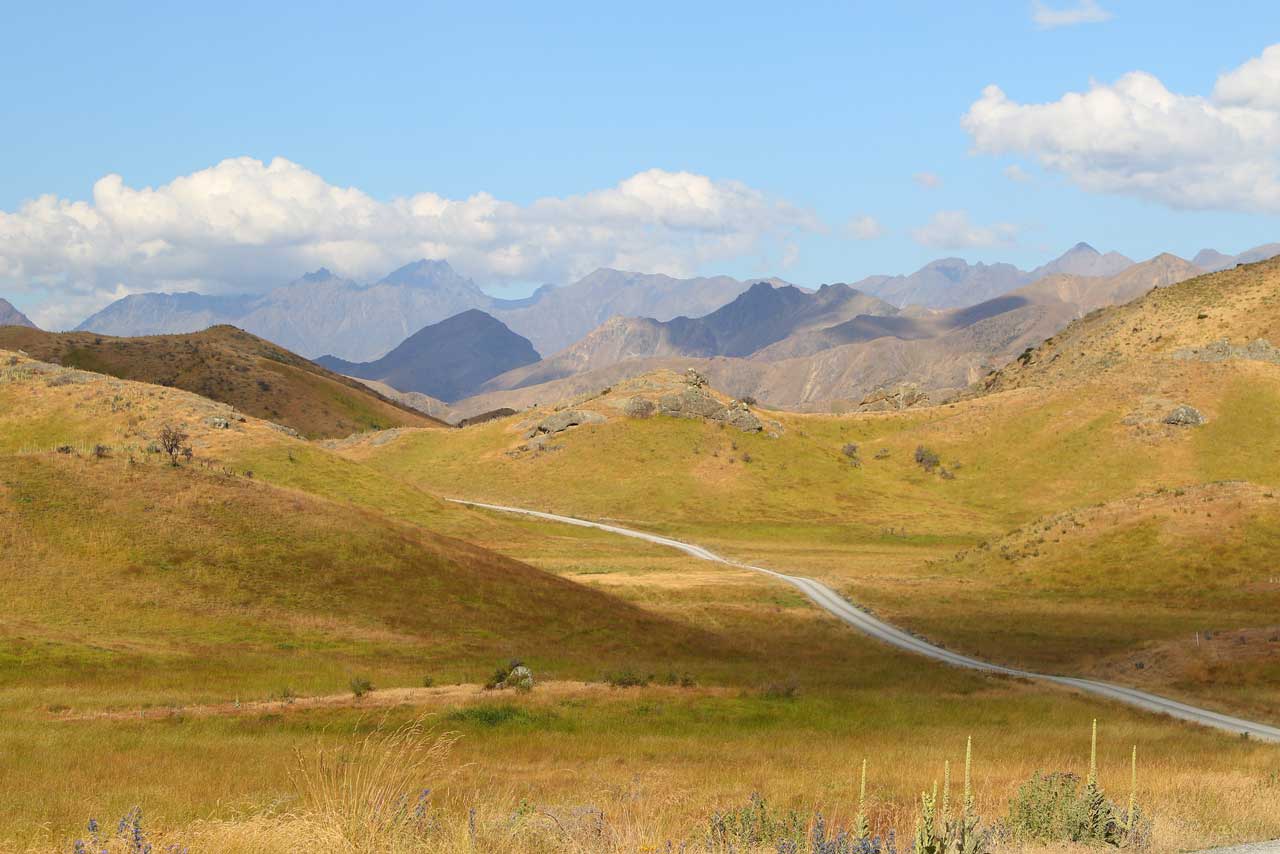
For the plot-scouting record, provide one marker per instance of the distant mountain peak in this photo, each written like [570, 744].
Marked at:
[321, 275]
[10, 316]
[422, 270]
[1083, 247]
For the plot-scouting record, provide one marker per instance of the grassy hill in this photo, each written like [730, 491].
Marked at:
[231, 366]
[271, 563]
[1080, 425]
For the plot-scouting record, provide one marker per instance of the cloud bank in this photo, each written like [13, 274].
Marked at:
[1137, 138]
[245, 225]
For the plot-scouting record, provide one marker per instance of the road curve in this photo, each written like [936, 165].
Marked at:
[827, 599]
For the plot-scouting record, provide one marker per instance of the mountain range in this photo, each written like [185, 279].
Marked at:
[953, 282]
[828, 357]
[10, 316]
[322, 313]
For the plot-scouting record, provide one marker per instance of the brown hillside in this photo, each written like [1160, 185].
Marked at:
[231, 366]
[1190, 321]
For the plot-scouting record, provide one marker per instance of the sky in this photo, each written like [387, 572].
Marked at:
[230, 147]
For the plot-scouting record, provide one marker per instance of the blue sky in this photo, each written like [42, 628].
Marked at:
[832, 110]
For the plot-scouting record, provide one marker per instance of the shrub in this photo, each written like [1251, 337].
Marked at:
[428, 681]
[172, 440]
[749, 400]
[926, 458]
[65, 449]
[360, 686]
[1054, 808]
[627, 678]
[101, 452]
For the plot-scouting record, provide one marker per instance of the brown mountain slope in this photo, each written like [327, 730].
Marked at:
[1239, 305]
[231, 366]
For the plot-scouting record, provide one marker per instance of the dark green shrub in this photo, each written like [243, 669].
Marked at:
[360, 686]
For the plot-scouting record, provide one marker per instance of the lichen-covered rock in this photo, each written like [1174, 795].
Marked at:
[691, 403]
[695, 379]
[217, 422]
[639, 407]
[560, 421]
[1184, 415]
[740, 416]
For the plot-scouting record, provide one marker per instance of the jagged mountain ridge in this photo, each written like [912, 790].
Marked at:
[953, 282]
[322, 313]
[939, 350]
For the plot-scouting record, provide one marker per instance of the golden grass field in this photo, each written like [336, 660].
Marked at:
[176, 636]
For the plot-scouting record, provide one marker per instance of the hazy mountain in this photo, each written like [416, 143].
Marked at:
[10, 316]
[1083, 260]
[938, 349]
[165, 314]
[1213, 260]
[953, 282]
[324, 313]
[448, 360]
[756, 318]
[559, 316]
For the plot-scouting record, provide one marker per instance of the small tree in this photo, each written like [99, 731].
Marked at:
[171, 441]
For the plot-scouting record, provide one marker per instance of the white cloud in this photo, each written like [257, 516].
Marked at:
[954, 230]
[864, 227]
[928, 180]
[1016, 173]
[1084, 12]
[245, 225]
[1136, 137]
[1254, 84]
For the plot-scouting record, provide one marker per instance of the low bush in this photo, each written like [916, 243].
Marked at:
[926, 458]
[627, 678]
[360, 686]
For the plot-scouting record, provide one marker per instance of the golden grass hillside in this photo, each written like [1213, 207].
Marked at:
[319, 567]
[882, 529]
[231, 366]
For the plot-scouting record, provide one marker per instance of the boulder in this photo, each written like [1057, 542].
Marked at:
[691, 403]
[739, 416]
[217, 422]
[694, 378]
[560, 421]
[1184, 415]
[639, 407]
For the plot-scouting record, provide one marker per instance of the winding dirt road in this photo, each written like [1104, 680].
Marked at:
[827, 599]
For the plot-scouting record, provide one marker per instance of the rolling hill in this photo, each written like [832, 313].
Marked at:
[231, 366]
[447, 360]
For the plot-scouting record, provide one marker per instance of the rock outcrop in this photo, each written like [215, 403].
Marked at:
[1184, 415]
[894, 398]
[558, 422]
[1258, 350]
